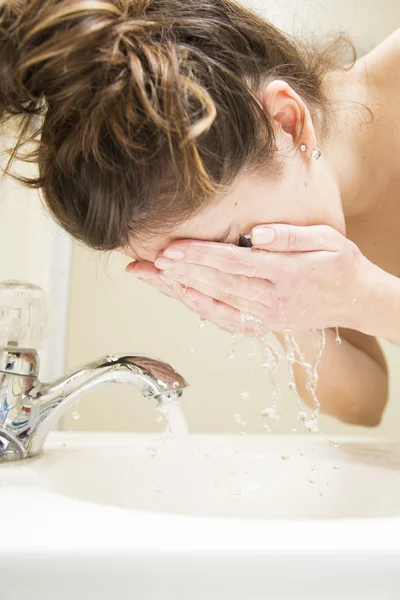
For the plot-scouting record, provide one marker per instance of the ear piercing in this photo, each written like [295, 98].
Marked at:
[316, 154]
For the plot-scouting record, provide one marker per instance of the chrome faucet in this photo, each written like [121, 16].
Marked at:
[29, 408]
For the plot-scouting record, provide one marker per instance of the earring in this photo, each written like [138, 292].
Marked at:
[316, 154]
[303, 147]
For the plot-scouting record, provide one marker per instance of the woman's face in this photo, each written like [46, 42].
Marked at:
[305, 193]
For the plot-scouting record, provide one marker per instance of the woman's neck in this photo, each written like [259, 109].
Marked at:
[363, 143]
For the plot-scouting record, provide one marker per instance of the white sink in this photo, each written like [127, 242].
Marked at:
[280, 517]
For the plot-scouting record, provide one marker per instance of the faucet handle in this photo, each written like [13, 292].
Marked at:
[23, 315]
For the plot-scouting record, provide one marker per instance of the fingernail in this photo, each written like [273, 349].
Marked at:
[164, 264]
[263, 235]
[174, 253]
[145, 276]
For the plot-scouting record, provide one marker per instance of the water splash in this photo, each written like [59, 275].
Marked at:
[270, 363]
[235, 341]
[311, 370]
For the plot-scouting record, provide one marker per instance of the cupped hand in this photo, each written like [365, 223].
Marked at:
[293, 278]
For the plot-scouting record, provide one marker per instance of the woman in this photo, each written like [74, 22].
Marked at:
[171, 128]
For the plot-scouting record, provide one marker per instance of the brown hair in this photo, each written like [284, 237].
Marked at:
[142, 110]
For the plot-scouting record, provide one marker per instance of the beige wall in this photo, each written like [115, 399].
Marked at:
[111, 312]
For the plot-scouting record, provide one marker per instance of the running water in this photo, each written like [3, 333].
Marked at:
[235, 341]
[170, 407]
[271, 361]
[294, 354]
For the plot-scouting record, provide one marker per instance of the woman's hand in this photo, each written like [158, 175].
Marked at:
[293, 278]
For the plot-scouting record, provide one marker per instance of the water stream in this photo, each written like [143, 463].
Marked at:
[178, 429]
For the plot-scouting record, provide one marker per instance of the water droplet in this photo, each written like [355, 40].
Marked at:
[294, 430]
[152, 451]
[75, 416]
[267, 366]
[157, 488]
[311, 425]
[285, 457]
[249, 318]
[230, 355]
[190, 349]
[206, 455]
[69, 431]
[301, 453]
[159, 419]
[302, 416]
[276, 396]
[235, 493]
[292, 387]
[201, 323]
[252, 355]
[237, 338]
[291, 358]
[313, 475]
[243, 424]
[176, 384]
[242, 433]
[267, 428]
[321, 493]
[271, 414]
[245, 395]
[338, 338]
[63, 444]
[335, 467]
[238, 418]
[355, 300]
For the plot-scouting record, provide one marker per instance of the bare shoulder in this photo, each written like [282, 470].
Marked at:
[384, 59]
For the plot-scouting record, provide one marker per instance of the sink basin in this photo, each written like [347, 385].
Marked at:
[249, 517]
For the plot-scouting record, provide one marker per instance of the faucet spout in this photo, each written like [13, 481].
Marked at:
[26, 417]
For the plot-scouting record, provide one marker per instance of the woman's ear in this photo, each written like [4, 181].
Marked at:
[290, 114]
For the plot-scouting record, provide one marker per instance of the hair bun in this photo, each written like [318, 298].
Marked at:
[40, 40]
[16, 96]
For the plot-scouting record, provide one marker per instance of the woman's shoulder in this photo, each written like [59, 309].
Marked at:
[384, 59]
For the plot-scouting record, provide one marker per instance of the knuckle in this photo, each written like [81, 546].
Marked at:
[224, 297]
[292, 240]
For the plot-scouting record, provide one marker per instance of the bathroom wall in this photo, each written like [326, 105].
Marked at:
[111, 312]
[35, 250]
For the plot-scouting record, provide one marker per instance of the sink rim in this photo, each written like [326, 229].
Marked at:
[72, 524]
